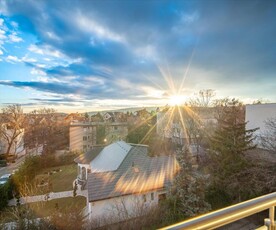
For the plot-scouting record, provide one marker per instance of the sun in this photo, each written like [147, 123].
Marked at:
[176, 100]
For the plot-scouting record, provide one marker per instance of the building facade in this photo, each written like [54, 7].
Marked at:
[256, 116]
[85, 135]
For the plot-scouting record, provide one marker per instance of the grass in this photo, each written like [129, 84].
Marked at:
[47, 208]
[63, 180]
[43, 209]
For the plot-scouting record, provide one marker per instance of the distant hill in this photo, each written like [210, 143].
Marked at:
[125, 110]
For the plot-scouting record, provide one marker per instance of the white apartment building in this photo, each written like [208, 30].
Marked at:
[256, 115]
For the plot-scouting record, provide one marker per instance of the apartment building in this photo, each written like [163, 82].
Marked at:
[183, 124]
[256, 116]
[85, 135]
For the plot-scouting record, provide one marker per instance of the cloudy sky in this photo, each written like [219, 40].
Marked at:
[95, 55]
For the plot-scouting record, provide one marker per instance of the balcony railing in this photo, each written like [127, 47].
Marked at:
[233, 213]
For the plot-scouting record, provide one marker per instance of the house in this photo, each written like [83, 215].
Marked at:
[143, 114]
[123, 176]
[96, 117]
[74, 117]
[84, 166]
[115, 117]
[256, 115]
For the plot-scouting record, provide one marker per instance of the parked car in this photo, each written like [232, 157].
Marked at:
[4, 179]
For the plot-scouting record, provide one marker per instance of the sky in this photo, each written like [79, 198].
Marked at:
[98, 55]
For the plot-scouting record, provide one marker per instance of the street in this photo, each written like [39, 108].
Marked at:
[11, 166]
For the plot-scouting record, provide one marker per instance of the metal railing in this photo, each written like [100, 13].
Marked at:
[233, 213]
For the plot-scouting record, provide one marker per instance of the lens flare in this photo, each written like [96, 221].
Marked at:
[177, 100]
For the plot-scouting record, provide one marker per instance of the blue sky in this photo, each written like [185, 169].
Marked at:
[96, 55]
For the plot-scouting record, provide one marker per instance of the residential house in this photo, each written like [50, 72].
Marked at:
[143, 114]
[115, 117]
[84, 162]
[96, 117]
[77, 117]
[123, 174]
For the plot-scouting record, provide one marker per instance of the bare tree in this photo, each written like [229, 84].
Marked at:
[11, 127]
[43, 129]
[202, 99]
[268, 138]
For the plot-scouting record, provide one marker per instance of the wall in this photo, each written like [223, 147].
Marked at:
[128, 206]
[77, 133]
[256, 115]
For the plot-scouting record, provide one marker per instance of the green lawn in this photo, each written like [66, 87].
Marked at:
[46, 208]
[43, 209]
[63, 180]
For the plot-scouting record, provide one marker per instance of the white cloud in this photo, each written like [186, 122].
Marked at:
[90, 26]
[45, 50]
[14, 24]
[1, 52]
[53, 36]
[13, 59]
[147, 52]
[95, 80]
[152, 92]
[36, 71]
[3, 7]
[1, 21]
[13, 37]
[27, 59]
[2, 34]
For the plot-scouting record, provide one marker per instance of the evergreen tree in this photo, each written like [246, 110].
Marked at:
[189, 188]
[229, 143]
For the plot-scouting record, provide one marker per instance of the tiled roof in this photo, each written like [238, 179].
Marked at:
[137, 173]
[87, 157]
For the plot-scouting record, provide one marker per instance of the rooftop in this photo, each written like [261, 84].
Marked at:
[137, 173]
[110, 158]
[87, 157]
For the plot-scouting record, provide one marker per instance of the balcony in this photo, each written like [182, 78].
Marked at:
[233, 213]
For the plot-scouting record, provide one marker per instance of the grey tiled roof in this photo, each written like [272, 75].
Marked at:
[137, 173]
[87, 157]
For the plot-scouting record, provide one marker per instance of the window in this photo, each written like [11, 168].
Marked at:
[85, 138]
[144, 198]
[84, 147]
[152, 196]
[161, 197]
